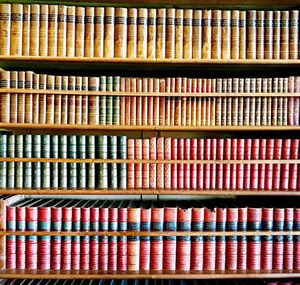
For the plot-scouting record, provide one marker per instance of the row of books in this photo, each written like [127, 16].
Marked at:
[65, 146]
[58, 30]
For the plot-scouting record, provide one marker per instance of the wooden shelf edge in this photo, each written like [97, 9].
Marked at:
[89, 274]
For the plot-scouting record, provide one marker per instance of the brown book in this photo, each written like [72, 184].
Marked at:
[183, 102]
[5, 21]
[218, 108]
[132, 33]
[64, 101]
[162, 103]
[229, 113]
[252, 102]
[235, 101]
[294, 34]
[241, 103]
[284, 35]
[34, 29]
[13, 97]
[168, 102]
[194, 100]
[145, 103]
[242, 29]
[161, 33]
[42, 99]
[280, 102]
[197, 34]
[62, 30]
[276, 35]
[226, 34]
[216, 39]
[199, 103]
[260, 34]
[258, 102]
[50, 107]
[89, 31]
[189, 103]
[235, 33]
[170, 32]
[187, 33]
[120, 33]
[127, 102]
[206, 34]
[269, 103]
[71, 101]
[5, 97]
[177, 111]
[71, 24]
[151, 50]
[16, 29]
[285, 102]
[179, 33]
[52, 30]
[99, 32]
[57, 100]
[122, 102]
[268, 35]
[133, 102]
[224, 102]
[139, 106]
[274, 115]
[251, 34]
[109, 20]
[36, 100]
[26, 30]
[94, 101]
[78, 101]
[28, 97]
[78, 32]
[142, 20]
[43, 37]
[85, 101]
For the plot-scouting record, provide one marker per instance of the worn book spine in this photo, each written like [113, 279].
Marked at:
[109, 101]
[206, 33]
[284, 35]
[235, 34]
[5, 23]
[170, 33]
[187, 33]
[216, 39]
[21, 97]
[52, 30]
[71, 100]
[197, 34]
[5, 97]
[57, 100]
[61, 30]
[93, 101]
[78, 101]
[26, 29]
[251, 34]
[260, 34]
[16, 29]
[64, 101]
[226, 34]
[43, 36]
[161, 33]
[139, 106]
[13, 97]
[71, 29]
[142, 34]
[109, 20]
[276, 34]
[79, 31]
[42, 99]
[132, 33]
[242, 29]
[34, 29]
[89, 35]
[268, 35]
[35, 100]
[294, 34]
[179, 33]
[85, 100]
[151, 50]
[120, 33]
[99, 32]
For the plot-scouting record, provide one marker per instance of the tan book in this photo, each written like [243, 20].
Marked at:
[280, 103]
[194, 103]
[139, 106]
[62, 30]
[79, 31]
[252, 102]
[89, 31]
[78, 101]
[235, 102]
[242, 29]
[189, 103]
[34, 29]
[274, 116]
[16, 29]
[258, 102]
[241, 103]
[251, 34]
[260, 34]
[183, 102]
[28, 97]
[120, 33]
[133, 102]
[161, 33]
[52, 30]
[229, 103]
[170, 33]
[36, 100]
[64, 101]
[26, 30]
[122, 102]
[269, 103]
[177, 112]
[145, 102]
[43, 36]
[128, 101]
[199, 103]
[85, 101]
[213, 103]
[13, 97]
[5, 97]
[226, 34]
[5, 22]
[94, 101]
[71, 101]
[187, 33]
[294, 34]
[216, 39]
[142, 20]
[42, 99]
[57, 100]
[218, 108]
[151, 50]
[276, 35]
[268, 37]
[197, 34]
[235, 34]
[109, 20]
[284, 35]
[50, 107]
[132, 33]
[179, 34]
[224, 102]
[285, 102]
[246, 111]
[71, 16]
[99, 32]
[206, 34]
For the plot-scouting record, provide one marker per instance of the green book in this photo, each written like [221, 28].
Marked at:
[102, 176]
[103, 101]
[63, 175]
[28, 146]
[54, 182]
[122, 175]
[113, 176]
[91, 175]
[19, 145]
[91, 147]
[101, 147]
[3, 145]
[81, 177]
[112, 147]
[36, 175]
[46, 170]
[63, 146]
[36, 146]
[116, 101]
[11, 146]
[18, 174]
[3, 170]
[11, 175]
[81, 145]
[72, 146]
[122, 147]
[54, 146]
[46, 146]
[27, 175]
[72, 175]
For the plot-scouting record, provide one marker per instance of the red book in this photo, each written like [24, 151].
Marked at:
[221, 240]
[146, 166]
[254, 252]
[269, 167]
[227, 156]
[297, 239]
[94, 241]
[153, 156]
[293, 167]
[123, 221]
[103, 240]
[242, 240]
[278, 239]
[219, 167]
[254, 167]
[11, 240]
[288, 249]
[233, 167]
[247, 167]
[213, 167]
[20, 240]
[112, 240]
[66, 253]
[180, 166]
[138, 154]
[286, 153]
[200, 167]
[160, 166]
[297, 102]
[145, 240]
[56, 225]
[231, 242]
[240, 166]
[194, 150]
[187, 167]
[267, 241]
[276, 167]
[262, 166]
[207, 155]
[167, 166]
[130, 166]
[174, 179]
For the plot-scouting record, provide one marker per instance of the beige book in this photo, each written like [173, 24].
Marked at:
[16, 29]
[161, 33]
[99, 32]
[89, 31]
[57, 100]
[151, 50]
[197, 34]
[284, 35]
[142, 32]
[120, 33]
[294, 34]
[71, 12]
[206, 34]
[71, 101]
[85, 107]
[35, 100]
[28, 97]
[226, 34]
[109, 20]
[43, 37]
[13, 97]
[42, 99]
[78, 101]
[216, 45]
[64, 101]
[62, 31]
[5, 97]
[26, 30]
[268, 35]
[5, 21]
[242, 29]
[34, 41]
[179, 34]
[132, 33]
[187, 33]
[251, 34]
[50, 104]
[170, 33]
[79, 31]
[52, 30]
[93, 101]
[235, 34]
[276, 35]
[260, 34]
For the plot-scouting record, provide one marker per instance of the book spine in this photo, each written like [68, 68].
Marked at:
[170, 33]
[5, 97]
[109, 20]
[71, 101]
[142, 19]
[93, 101]
[52, 30]
[28, 97]
[134, 224]
[197, 34]
[109, 101]
[268, 35]
[284, 35]
[145, 240]
[179, 33]
[216, 49]
[16, 29]
[260, 34]
[206, 34]
[242, 30]
[235, 34]
[61, 30]
[226, 34]
[26, 30]
[21, 98]
[294, 34]
[221, 241]
[156, 246]
[78, 33]
[78, 101]
[64, 101]
[187, 33]
[85, 101]
[89, 25]
[251, 34]
[120, 32]
[99, 32]
[161, 33]
[132, 33]
[50, 107]
[71, 42]
[276, 34]
[5, 23]
[151, 50]
[43, 36]
[13, 97]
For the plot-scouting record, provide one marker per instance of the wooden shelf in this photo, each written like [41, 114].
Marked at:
[153, 161]
[149, 233]
[143, 94]
[181, 129]
[86, 274]
[172, 192]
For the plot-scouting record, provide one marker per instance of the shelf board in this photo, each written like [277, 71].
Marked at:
[95, 274]
[68, 127]
[149, 233]
[200, 192]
